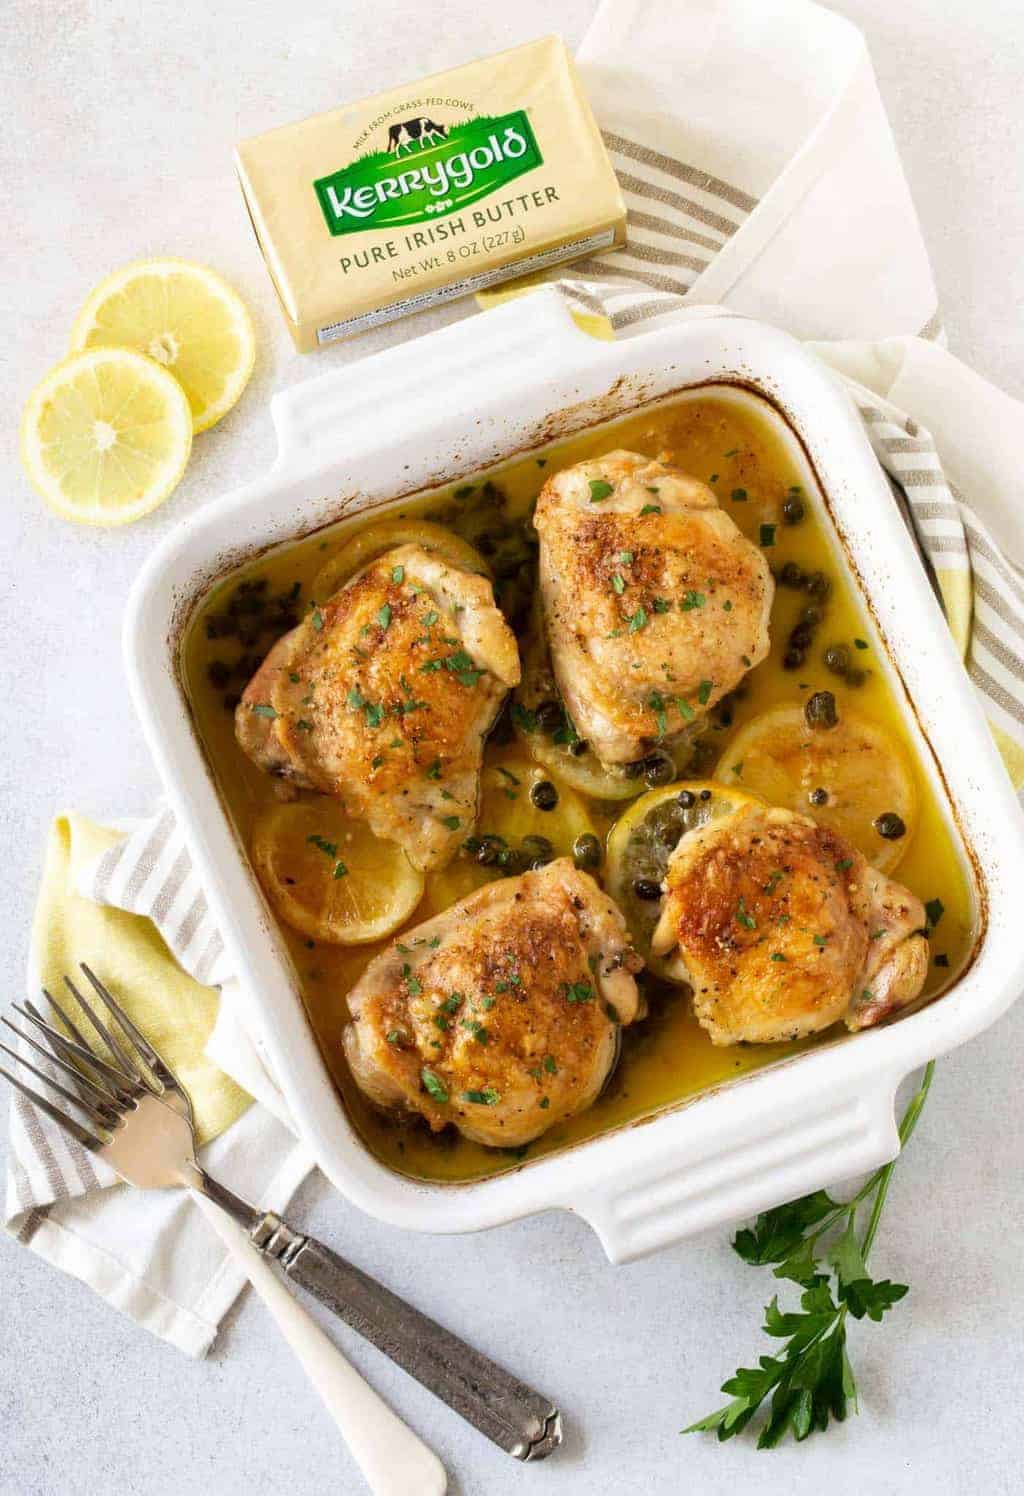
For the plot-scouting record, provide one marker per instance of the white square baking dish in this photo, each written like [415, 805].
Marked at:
[450, 404]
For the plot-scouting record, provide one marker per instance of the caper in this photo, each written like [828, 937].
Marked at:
[646, 889]
[579, 748]
[486, 544]
[550, 717]
[791, 575]
[538, 846]
[818, 585]
[818, 797]
[793, 511]
[811, 616]
[837, 659]
[801, 635]
[544, 795]
[488, 851]
[218, 673]
[705, 794]
[793, 659]
[856, 677]
[686, 798]
[510, 861]
[586, 851]
[820, 710]
[658, 769]
[220, 626]
[891, 826]
[634, 769]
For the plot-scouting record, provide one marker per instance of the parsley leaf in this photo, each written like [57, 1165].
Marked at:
[599, 490]
[813, 1242]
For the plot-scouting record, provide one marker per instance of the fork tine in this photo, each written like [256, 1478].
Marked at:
[72, 1028]
[118, 1080]
[102, 1030]
[144, 1050]
[105, 1114]
[78, 1132]
[96, 1094]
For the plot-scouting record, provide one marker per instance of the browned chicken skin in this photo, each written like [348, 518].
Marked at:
[382, 698]
[655, 605]
[783, 928]
[502, 1014]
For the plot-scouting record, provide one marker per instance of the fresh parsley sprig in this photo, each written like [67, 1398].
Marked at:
[811, 1381]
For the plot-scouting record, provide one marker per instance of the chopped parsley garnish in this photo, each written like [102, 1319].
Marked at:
[843, 864]
[626, 557]
[507, 774]
[941, 960]
[294, 677]
[637, 621]
[692, 600]
[774, 878]
[328, 848]
[860, 643]
[431, 618]
[549, 1064]
[452, 822]
[650, 508]
[441, 1022]
[618, 584]
[434, 772]
[317, 618]
[578, 992]
[778, 956]
[340, 870]
[704, 691]
[544, 1103]
[661, 605]
[934, 910]
[398, 574]
[656, 702]
[599, 490]
[465, 491]
[731, 452]
[487, 1097]
[396, 1037]
[262, 710]
[739, 495]
[744, 917]
[727, 606]
[523, 718]
[820, 940]
[452, 1003]
[384, 616]
[685, 709]
[768, 535]
[304, 726]
[488, 1004]
[476, 1029]
[433, 1085]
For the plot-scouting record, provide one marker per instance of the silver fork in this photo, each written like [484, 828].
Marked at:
[136, 1114]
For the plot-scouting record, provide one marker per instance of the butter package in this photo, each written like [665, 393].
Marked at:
[414, 197]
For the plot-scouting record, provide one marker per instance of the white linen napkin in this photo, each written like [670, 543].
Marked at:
[760, 173]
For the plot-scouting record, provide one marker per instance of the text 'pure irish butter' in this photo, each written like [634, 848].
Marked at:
[471, 178]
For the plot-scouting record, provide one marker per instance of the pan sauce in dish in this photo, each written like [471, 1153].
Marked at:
[737, 444]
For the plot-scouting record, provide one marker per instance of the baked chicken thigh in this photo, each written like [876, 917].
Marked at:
[502, 1014]
[382, 698]
[782, 928]
[655, 605]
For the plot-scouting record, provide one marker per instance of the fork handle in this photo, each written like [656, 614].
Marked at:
[394, 1460]
[515, 1417]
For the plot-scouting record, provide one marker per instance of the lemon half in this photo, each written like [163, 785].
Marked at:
[106, 436]
[184, 317]
[329, 876]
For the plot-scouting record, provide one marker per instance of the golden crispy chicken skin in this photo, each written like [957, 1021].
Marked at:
[502, 1014]
[783, 928]
[655, 605]
[382, 698]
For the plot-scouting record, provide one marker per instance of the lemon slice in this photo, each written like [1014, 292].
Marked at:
[846, 777]
[329, 876]
[106, 436]
[642, 840]
[370, 543]
[514, 829]
[183, 316]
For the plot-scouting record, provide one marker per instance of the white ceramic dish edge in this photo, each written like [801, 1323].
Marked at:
[452, 403]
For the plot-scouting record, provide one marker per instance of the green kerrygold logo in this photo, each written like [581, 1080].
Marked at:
[440, 172]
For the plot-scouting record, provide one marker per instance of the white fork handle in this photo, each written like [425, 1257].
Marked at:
[394, 1460]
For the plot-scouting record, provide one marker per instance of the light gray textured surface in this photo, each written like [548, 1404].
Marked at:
[117, 124]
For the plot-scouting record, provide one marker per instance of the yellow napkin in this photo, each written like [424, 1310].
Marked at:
[175, 1012]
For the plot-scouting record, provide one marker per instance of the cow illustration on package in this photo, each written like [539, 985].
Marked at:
[418, 131]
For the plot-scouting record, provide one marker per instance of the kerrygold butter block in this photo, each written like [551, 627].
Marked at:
[436, 190]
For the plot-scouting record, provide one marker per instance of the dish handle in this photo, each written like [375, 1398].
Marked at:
[731, 1172]
[399, 392]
